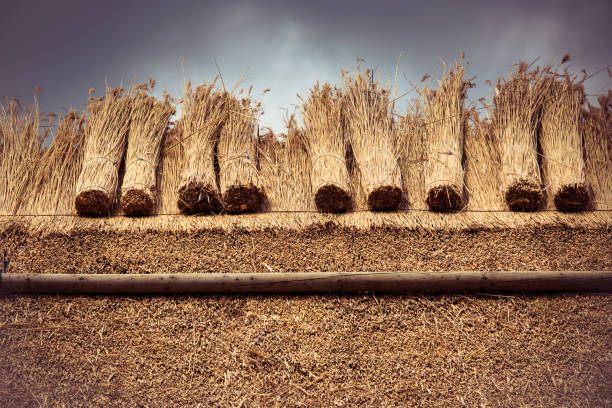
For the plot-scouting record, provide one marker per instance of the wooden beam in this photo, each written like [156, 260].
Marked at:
[309, 282]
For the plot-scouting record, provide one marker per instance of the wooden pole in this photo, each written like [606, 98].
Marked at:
[302, 282]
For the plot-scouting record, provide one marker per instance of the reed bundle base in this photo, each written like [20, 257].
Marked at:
[332, 199]
[444, 198]
[243, 199]
[199, 198]
[93, 203]
[385, 198]
[572, 197]
[524, 195]
[137, 203]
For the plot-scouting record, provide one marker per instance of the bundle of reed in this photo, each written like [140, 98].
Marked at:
[239, 180]
[561, 142]
[597, 130]
[21, 139]
[517, 107]
[105, 143]
[172, 163]
[482, 162]
[204, 111]
[445, 117]
[148, 122]
[327, 148]
[411, 134]
[285, 170]
[370, 132]
[51, 184]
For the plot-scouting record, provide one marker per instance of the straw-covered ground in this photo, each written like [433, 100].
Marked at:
[317, 248]
[253, 351]
[315, 351]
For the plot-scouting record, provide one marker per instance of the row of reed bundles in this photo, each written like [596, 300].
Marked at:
[348, 155]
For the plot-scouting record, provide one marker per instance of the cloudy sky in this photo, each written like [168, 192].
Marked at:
[68, 46]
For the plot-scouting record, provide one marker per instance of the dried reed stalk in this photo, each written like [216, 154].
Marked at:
[327, 149]
[517, 106]
[20, 148]
[204, 111]
[149, 119]
[172, 163]
[597, 130]
[370, 132]
[240, 182]
[51, 184]
[285, 170]
[561, 142]
[445, 117]
[483, 179]
[411, 135]
[105, 143]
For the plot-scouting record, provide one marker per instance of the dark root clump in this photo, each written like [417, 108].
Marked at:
[332, 199]
[572, 198]
[243, 199]
[137, 203]
[198, 198]
[385, 198]
[93, 203]
[524, 195]
[444, 198]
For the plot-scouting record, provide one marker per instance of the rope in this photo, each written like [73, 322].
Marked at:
[402, 210]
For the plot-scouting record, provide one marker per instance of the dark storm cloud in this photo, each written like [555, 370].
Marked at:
[68, 46]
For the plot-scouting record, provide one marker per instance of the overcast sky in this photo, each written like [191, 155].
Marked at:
[67, 46]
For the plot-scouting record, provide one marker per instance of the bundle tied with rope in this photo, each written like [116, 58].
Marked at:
[240, 181]
[149, 120]
[446, 122]
[327, 149]
[372, 139]
[105, 143]
[562, 146]
[518, 102]
[204, 111]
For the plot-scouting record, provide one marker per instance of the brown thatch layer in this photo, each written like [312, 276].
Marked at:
[94, 203]
[524, 195]
[445, 198]
[243, 199]
[385, 198]
[310, 350]
[137, 203]
[332, 199]
[199, 198]
[572, 197]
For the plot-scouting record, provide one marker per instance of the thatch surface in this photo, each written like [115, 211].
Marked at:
[253, 351]
[323, 247]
